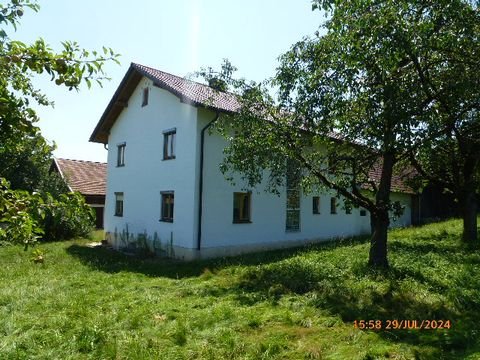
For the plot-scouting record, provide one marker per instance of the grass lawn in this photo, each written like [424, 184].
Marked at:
[93, 303]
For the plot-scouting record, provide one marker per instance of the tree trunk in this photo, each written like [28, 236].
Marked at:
[468, 202]
[378, 243]
[379, 215]
[469, 215]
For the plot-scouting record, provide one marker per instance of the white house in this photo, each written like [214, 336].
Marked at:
[165, 189]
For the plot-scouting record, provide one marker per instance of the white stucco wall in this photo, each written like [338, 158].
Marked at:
[406, 218]
[146, 174]
[268, 211]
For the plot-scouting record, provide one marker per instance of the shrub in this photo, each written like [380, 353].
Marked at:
[67, 217]
[27, 217]
[20, 213]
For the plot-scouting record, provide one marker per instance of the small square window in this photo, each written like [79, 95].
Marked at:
[363, 212]
[316, 205]
[348, 209]
[167, 206]
[121, 154]
[333, 205]
[145, 97]
[119, 204]
[241, 207]
[169, 140]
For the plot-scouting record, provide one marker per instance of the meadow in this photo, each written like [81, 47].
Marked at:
[306, 303]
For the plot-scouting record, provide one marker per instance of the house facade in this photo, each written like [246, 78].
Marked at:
[165, 189]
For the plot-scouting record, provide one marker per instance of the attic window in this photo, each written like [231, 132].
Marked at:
[145, 97]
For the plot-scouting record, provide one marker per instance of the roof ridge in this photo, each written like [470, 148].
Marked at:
[86, 161]
[181, 77]
[188, 91]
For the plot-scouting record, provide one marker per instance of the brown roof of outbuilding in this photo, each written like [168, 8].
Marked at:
[86, 177]
[399, 180]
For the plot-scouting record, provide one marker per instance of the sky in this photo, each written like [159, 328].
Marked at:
[176, 36]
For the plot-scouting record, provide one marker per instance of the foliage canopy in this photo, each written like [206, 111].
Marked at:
[27, 209]
[355, 97]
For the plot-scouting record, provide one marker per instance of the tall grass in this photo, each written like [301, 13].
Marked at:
[93, 303]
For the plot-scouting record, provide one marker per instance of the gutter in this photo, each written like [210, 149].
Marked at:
[200, 183]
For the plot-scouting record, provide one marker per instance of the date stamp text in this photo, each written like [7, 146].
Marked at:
[402, 324]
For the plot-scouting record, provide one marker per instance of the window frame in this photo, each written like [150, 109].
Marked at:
[348, 210]
[145, 96]
[169, 146]
[119, 204]
[363, 212]
[239, 219]
[316, 205]
[121, 154]
[333, 206]
[293, 198]
[167, 215]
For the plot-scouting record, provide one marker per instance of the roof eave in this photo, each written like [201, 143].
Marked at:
[59, 169]
[123, 93]
[117, 102]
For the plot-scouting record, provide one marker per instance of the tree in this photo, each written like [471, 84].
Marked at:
[349, 101]
[19, 62]
[24, 152]
[25, 161]
[448, 154]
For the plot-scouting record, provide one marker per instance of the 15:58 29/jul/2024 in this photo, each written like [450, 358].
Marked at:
[401, 324]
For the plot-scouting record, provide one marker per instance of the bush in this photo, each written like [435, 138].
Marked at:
[20, 214]
[67, 217]
[27, 217]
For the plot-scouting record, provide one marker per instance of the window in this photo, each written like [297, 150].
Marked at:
[333, 205]
[363, 212]
[293, 197]
[119, 204]
[348, 208]
[121, 154]
[316, 205]
[241, 207]
[169, 139]
[145, 97]
[167, 206]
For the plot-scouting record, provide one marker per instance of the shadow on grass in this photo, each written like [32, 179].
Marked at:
[405, 291]
[340, 283]
[390, 298]
[111, 261]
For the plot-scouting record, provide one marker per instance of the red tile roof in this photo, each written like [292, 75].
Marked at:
[86, 177]
[399, 180]
[190, 91]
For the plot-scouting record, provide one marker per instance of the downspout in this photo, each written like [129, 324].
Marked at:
[200, 183]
